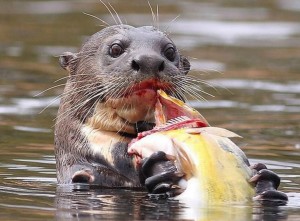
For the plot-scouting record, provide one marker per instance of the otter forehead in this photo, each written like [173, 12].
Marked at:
[136, 37]
[147, 32]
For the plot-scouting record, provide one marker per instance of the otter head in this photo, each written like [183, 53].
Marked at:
[116, 74]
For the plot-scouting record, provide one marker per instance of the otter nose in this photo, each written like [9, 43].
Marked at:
[148, 64]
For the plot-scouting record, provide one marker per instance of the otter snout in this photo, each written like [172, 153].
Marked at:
[148, 64]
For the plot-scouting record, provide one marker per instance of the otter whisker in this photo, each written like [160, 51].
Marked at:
[109, 10]
[78, 90]
[60, 79]
[86, 54]
[56, 98]
[152, 13]
[51, 102]
[120, 92]
[169, 24]
[83, 55]
[204, 82]
[157, 17]
[215, 86]
[124, 124]
[196, 87]
[68, 113]
[189, 91]
[48, 105]
[116, 13]
[192, 79]
[48, 89]
[117, 86]
[131, 89]
[90, 110]
[93, 16]
[177, 92]
[78, 106]
[110, 91]
[195, 96]
[200, 88]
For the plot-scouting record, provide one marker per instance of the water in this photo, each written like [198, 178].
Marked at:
[248, 51]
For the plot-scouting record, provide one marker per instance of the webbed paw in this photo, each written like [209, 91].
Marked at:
[266, 183]
[160, 175]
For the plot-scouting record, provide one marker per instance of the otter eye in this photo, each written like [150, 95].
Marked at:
[170, 53]
[116, 50]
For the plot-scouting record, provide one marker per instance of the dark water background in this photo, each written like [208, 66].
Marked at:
[249, 51]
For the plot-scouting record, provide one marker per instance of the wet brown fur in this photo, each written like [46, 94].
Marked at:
[95, 122]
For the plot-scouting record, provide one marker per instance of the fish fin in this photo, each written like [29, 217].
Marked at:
[213, 130]
[183, 162]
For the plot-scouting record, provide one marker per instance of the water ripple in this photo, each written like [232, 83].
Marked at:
[271, 34]
[32, 129]
[273, 164]
[242, 84]
[23, 191]
[292, 5]
[208, 65]
[275, 108]
[27, 106]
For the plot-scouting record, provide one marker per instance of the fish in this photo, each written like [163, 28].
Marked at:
[216, 170]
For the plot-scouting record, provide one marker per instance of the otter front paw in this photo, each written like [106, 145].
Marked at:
[159, 175]
[266, 183]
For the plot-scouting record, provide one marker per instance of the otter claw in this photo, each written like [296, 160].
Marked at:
[162, 180]
[161, 188]
[166, 190]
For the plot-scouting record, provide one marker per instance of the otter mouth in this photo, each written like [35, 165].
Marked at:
[138, 101]
[146, 86]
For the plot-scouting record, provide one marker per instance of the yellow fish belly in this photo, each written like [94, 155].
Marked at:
[216, 169]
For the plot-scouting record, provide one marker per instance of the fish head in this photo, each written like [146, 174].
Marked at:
[171, 114]
[168, 108]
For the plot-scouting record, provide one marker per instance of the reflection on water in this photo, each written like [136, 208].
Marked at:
[242, 84]
[292, 5]
[253, 34]
[247, 54]
[27, 106]
[104, 204]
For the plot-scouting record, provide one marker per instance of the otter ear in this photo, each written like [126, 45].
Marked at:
[186, 66]
[68, 61]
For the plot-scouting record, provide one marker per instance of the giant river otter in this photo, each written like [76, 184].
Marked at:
[109, 97]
